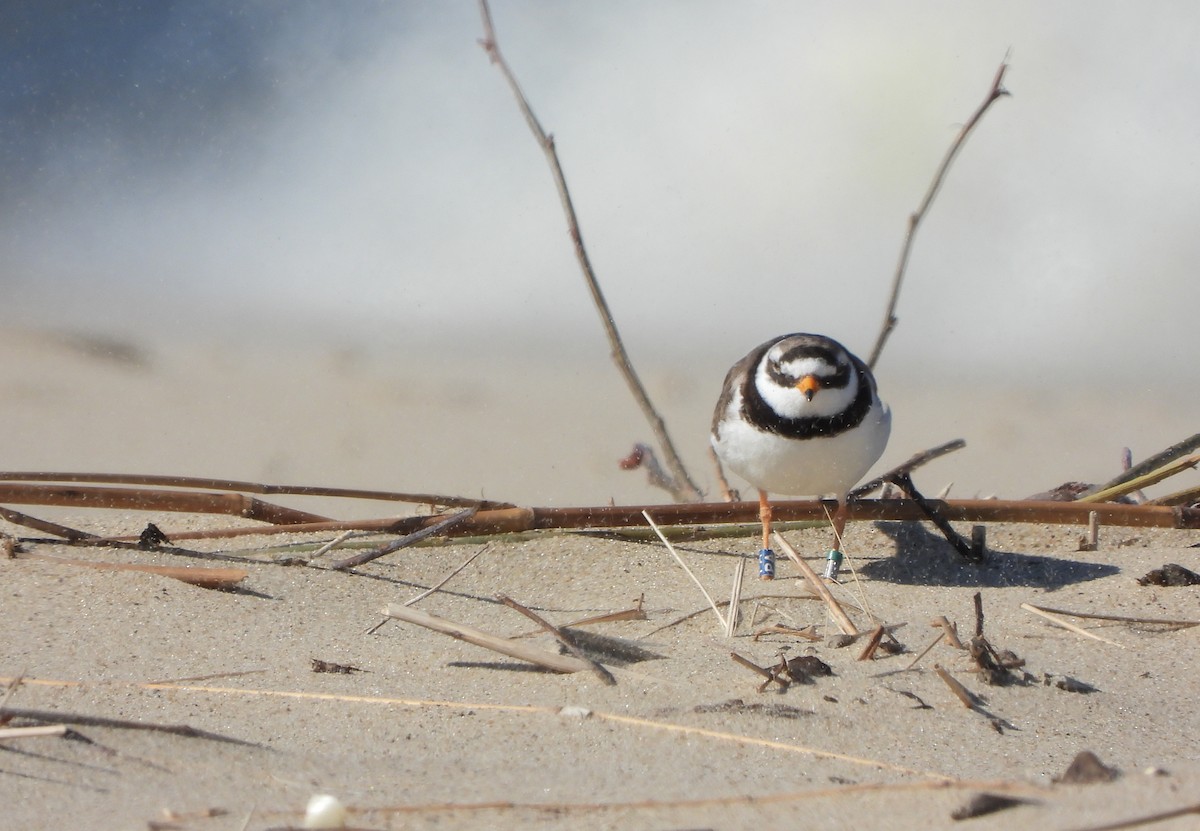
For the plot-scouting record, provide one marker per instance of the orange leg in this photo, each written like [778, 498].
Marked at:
[764, 514]
[839, 523]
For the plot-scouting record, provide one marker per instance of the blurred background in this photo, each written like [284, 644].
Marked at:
[316, 242]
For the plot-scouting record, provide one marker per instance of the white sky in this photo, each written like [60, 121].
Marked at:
[740, 170]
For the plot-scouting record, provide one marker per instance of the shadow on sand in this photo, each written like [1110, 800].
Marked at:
[923, 557]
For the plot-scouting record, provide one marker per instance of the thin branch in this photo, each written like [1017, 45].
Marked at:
[682, 488]
[444, 524]
[889, 321]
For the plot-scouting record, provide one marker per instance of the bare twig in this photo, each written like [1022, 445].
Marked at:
[996, 91]
[941, 636]
[912, 464]
[682, 487]
[505, 646]
[443, 525]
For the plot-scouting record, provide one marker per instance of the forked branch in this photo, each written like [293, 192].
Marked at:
[914, 221]
[681, 485]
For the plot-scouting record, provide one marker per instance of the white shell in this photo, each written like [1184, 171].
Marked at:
[325, 811]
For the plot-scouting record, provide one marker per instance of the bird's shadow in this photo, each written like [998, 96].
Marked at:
[924, 558]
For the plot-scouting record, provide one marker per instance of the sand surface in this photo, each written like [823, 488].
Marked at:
[435, 732]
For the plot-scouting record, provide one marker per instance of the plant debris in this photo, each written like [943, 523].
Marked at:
[328, 666]
[737, 705]
[1172, 574]
[1087, 769]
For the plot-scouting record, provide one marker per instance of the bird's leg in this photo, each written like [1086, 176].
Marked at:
[833, 561]
[766, 557]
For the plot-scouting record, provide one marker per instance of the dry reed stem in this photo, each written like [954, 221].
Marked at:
[1065, 624]
[818, 585]
[1144, 481]
[634, 721]
[1122, 618]
[996, 91]
[505, 646]
[962, 693]
[682, 488]
[201, 483]
[712, 603]
[146, 499]
[1154, 462]
[735, 598]
[207, 578]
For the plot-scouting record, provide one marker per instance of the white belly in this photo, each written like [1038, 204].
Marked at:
[819, 466]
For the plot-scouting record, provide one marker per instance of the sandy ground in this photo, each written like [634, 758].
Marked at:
[434, 732]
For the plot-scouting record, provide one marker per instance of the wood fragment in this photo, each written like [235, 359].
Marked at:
[962, 693]
[33, 732]
[505, 646]
[207, 578]
[1066, 624]
[872, 644]
[818, 585]
[951, 631]
[1091, 542]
